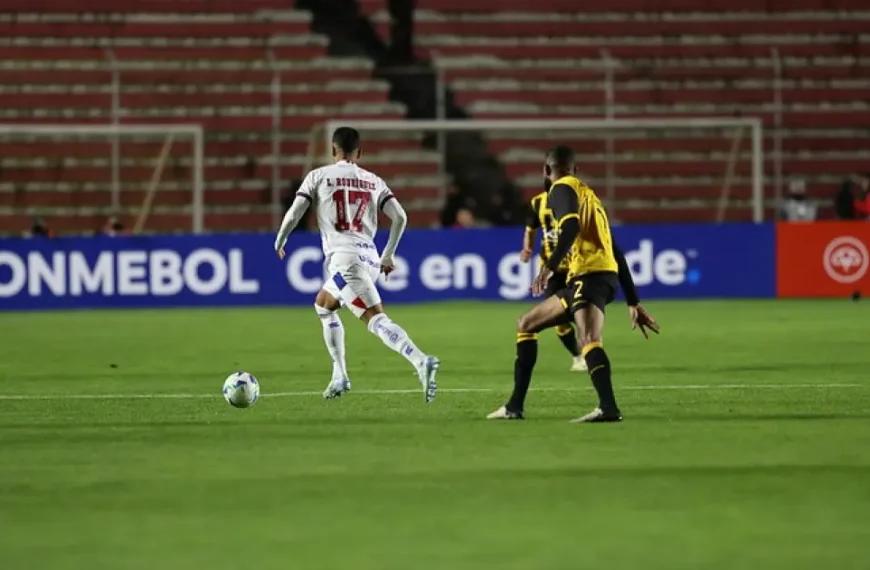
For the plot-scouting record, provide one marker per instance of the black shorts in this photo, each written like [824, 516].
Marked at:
[597, 289]
[557, 282]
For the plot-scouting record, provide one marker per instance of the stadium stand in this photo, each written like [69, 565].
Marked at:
[208, 61]
[200, 61]
[673, 58]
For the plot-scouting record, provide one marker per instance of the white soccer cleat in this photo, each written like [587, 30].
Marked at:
[598, 416]
[579, 364]
[427, 373]
[504, 414]
[336, 388]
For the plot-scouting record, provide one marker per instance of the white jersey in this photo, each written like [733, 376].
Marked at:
[348, 199]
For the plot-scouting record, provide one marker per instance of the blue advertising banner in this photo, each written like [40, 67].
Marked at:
[686, 261]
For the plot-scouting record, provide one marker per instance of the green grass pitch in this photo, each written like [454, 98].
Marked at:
[746, 444]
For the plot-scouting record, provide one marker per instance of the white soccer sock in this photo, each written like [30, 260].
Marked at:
[396, 338]
[333, 336]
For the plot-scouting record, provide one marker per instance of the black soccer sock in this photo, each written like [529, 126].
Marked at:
[599, 371]
[527, 355]
[569, 339]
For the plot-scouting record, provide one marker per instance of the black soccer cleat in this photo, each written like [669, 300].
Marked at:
[597, 416]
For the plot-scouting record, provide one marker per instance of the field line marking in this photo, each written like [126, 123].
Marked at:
[652, 387]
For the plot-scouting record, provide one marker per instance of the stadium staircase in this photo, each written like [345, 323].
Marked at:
[208, 61]
[675, 58]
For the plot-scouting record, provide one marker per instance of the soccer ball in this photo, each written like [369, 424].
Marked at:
[241, 389]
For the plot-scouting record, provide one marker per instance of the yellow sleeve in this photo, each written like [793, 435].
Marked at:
[586, 216]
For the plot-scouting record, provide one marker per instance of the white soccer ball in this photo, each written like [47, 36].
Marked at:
[241, 389]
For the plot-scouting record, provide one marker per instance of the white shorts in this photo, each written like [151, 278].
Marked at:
[350, 278]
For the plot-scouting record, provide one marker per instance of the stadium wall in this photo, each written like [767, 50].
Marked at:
[677, 262]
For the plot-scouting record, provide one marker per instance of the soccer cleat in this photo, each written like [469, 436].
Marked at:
[427, 376]
[504, 414]
[336, 388]
[597, 416]
[579, 364]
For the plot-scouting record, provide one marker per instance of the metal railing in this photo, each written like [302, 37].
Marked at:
[609, 69]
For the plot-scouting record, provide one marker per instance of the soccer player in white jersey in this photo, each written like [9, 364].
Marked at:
[348, 199]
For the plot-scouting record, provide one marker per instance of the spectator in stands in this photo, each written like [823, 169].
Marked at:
[464, 219]
[39, 229]
[114, 227]
[862, 200]
[795, 207]
[851, 201]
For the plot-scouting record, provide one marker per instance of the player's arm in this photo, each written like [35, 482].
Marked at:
[566, 207]
[626, 281]
[304, 198]
[532, 225]
[640, 318]
[566, 210]
[398, 222]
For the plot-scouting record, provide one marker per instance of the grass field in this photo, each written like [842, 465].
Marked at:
[746, 444]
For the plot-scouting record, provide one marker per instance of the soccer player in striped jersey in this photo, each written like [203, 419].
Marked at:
[540, 217]
[594, 266]
[348, 199]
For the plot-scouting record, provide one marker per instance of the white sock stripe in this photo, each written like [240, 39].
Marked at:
[323, 311]
[326, 316]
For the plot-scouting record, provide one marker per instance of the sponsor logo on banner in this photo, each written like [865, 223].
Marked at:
[846, 259]
[159, 273]
[693, 260]
[668, 267]
[822, 259]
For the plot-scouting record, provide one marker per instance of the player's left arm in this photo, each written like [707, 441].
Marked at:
[304, 197]
[288, 224]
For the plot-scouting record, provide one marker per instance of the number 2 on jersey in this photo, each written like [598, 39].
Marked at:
[346, 200]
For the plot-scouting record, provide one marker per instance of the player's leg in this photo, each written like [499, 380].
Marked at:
[548, 313]
[392, 335]
[361, 296]
[395, 337]
[589, 318]
[327, 305]
[565, 332]
[569, 341]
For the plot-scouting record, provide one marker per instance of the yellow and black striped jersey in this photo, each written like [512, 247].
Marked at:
[592, 250]
[540, 216]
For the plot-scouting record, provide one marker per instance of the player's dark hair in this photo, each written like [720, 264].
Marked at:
[561, 158]
[345, 139]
